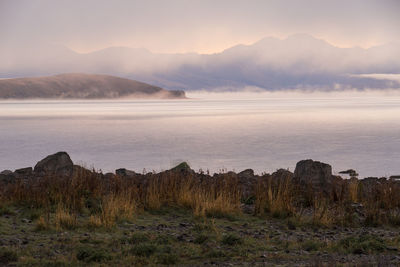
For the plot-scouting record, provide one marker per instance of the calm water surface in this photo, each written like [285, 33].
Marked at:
[263, 132]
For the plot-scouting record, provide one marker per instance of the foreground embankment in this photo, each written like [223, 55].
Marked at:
[61, 212]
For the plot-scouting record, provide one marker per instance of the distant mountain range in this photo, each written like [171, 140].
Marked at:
[298, 62]
[81, 86]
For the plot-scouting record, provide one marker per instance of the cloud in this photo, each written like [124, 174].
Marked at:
[46, 37]
[200, 26]
[297, 62]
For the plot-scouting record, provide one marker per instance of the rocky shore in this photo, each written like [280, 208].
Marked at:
[314, 175]
[59, 213]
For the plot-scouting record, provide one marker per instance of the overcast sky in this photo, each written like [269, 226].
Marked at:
[203, 26]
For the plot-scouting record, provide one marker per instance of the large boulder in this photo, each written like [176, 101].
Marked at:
[56, 164]
[316, 174]
[125, 172]
[182, 168]
[247, 182]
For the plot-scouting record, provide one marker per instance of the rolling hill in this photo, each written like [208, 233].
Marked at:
[81, 86]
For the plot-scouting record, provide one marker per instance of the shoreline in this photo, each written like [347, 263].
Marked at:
[62, 213]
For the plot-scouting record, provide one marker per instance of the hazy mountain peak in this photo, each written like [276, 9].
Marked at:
[298, 61]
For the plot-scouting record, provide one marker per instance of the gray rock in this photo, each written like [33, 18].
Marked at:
[7, 176]
[4, 179]
[395, 177]
[182, 168]
[350, 172]
[80, 171]
[56, 164]
[247, 181]
[6, 172]
[282, 174]
[314, 173]
[246, 174]
[23, 172]
[125, 172]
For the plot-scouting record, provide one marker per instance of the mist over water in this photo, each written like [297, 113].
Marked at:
[214, 131]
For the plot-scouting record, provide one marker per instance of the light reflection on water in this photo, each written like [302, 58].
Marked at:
[253, 131]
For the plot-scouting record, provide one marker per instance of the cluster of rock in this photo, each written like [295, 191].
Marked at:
[59, 164]
[310, 174]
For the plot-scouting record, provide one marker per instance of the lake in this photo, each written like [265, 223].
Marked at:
[221, 131]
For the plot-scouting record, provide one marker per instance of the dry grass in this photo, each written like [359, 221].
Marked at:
[95, 221]
[351, 203]
[322, 212]
[276, 197]
[117, 207]
[108, 201]
[42, 224]
[64, 219]
[353, 190]
[211, 197]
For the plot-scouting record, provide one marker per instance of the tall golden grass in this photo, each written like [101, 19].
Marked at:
[107, 201]
[350, 203]
[204, 197]
[275, 196]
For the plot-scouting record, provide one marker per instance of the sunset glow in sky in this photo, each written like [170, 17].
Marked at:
[206, 26]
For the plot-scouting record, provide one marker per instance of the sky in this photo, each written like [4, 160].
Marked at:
[204, 26]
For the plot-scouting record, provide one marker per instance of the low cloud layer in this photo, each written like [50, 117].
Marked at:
[298, 62]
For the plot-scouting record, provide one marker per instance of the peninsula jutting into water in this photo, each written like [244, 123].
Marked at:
[82, 86]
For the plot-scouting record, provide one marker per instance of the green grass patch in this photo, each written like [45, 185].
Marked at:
[6, 210]
[216, 253]
[231, 240]
[143, 250]
[364, 244]
[164, 239]
[138, 237]
[167, 258]
[89, 254]
[312, 245]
